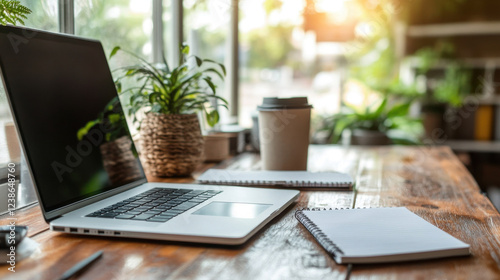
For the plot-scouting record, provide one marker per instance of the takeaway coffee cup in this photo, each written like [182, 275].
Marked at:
[284, 133]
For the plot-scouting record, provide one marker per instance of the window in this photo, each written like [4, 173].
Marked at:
[124, 23]
[206, 28]
[279, 58]
[44, 14]
[167, 28]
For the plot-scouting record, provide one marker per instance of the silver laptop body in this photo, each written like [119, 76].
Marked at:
[246, 211]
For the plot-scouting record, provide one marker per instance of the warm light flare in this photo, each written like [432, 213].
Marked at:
[331, 6]
[359, 96]
[338, 10]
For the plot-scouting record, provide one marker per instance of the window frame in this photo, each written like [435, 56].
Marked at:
[67, 25]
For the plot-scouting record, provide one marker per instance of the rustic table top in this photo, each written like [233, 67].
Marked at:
[429, 181]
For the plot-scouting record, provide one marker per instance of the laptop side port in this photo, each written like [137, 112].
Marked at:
[73, 230]
[100, 232]
[58, 228]
[86, 231]
[118, 233]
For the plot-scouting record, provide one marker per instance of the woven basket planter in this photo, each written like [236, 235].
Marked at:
[171, 145]
[119, 161]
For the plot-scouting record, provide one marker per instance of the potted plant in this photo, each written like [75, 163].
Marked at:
[164, 108]
[378, 124]
[445, 91]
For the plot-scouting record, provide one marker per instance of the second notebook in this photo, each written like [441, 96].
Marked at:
[277, 178]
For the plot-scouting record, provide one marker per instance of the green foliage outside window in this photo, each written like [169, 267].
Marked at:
[114, 23]
[270, 46]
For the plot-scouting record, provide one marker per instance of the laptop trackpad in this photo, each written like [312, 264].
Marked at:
[233, 209]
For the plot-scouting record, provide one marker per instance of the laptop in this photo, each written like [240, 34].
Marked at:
[89, 184]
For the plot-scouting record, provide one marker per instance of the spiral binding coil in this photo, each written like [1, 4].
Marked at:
[311, 184]
[318, 234]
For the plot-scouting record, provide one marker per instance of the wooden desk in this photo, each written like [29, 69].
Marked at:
[429, 181]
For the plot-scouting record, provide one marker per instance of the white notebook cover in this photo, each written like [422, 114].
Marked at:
[377, 235]
[276, 178]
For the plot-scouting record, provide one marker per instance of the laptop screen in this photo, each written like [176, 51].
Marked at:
[69, 116]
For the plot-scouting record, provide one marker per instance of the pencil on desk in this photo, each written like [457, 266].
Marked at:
[80, 266]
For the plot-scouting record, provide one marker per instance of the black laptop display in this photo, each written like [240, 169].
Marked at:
[78, 143]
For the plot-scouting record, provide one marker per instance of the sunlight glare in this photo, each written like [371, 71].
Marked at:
[254, 15]
[147, 49]
[140, 6]
[113, 13]
[331, 6]
[147, 26]
[337, 10]
[354, 94]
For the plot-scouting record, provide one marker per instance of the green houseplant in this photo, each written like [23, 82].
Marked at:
[164, 108]
[447, 91]
[378, 124]
[11, 11]
[450, 89]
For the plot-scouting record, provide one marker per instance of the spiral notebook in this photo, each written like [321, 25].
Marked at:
[377, 235]
[277, 178]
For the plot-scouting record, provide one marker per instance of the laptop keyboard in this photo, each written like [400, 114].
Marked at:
[156, 205]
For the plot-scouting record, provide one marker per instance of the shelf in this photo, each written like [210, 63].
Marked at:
[454, 29]
[489, 100]
[483, 100]
[473, 146]
[485, 62]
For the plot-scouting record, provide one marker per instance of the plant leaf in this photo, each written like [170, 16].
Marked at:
[131, 72]
[380, 109]
[167, 68]
[114, 118]
[152, 97]
[114, 51]
[223, 68]
[216, 72]
[12, 11]
[185, 49]
[399, 110]
[84, 130]
[210, 84]
[199, 62]
[339, 127]
[118, 87]
[212, 118]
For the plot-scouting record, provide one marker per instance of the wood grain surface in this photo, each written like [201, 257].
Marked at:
[429, 181]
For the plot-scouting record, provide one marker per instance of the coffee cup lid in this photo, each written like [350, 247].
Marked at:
[275, 103]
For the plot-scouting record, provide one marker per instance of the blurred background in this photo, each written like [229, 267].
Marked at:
[418, 72]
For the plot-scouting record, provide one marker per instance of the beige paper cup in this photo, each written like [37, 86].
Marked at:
[284, 133]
